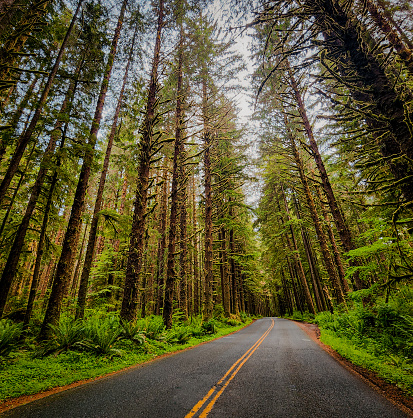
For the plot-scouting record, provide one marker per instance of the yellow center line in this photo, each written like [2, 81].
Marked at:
[240, 362]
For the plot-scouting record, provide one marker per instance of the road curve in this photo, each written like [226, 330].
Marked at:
[269, 369]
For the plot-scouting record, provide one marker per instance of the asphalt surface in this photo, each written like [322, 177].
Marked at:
[285, 374]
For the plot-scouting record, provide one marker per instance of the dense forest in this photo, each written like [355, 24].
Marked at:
[131, 186]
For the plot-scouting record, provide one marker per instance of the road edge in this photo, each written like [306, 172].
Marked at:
[11, 403]
[388, 390]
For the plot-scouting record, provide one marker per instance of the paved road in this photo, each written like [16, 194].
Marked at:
[269, 369]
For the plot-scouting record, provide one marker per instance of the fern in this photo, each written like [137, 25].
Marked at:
[9, 335]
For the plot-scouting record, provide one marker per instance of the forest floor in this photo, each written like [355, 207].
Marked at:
[388, 390]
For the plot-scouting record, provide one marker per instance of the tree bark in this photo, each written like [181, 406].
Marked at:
[224, 272]
[6, 139]
[301, 274]
[170, 266]
[403, 52]
[335, 283]
[146, 148]
[14, 255]
[161, 243]
[27, 134]
[336, 252]
[64, 266]
[339, 220]
[90, 249]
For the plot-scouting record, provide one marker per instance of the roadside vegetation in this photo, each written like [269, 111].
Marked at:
[376, 335]
[373, 331]
[95, 346]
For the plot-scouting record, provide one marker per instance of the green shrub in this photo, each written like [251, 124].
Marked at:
[210, 327]
[67, 334]
[195, 327]
[10, 334]
[244, 316]
[218, 312]
[154, 327]
[382, 328]
[179, 335]
[132, 332]
[101, 334]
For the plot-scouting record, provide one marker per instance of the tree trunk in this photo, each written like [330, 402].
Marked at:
[27, 134]
[404, 53]
[336, 252]
[90, 249]
[14, 255]
[335, 283]
[6, 139]
[299, 266]
[170, 266]
[183, 254]
[16, 190]
[162, 242]
[64, 266]
[339, 220]
[146, 148]
[197, 301]
[224, 272]
[17, 23]
[234, 292]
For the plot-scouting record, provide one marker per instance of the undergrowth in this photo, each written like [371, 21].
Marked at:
[93, 347]
[376, 334]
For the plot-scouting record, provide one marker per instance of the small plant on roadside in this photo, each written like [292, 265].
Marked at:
[132, 331]
[179, 335]
[67, 333]
[210, 326]
[195, 327]
[154, 327]
[232, 320]
[244, 316]
[101, 334]
[10, 334]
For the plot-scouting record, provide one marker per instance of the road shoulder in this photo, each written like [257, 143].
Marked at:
[390, 391]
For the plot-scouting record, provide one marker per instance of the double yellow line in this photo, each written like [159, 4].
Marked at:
[219, 387]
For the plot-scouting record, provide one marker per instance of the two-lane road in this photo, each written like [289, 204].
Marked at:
[269, 369]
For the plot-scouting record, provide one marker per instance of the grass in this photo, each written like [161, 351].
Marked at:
[390, 368]
[23, 374]
[375, 333]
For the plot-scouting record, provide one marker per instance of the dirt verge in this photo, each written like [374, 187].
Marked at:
[390, 391]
